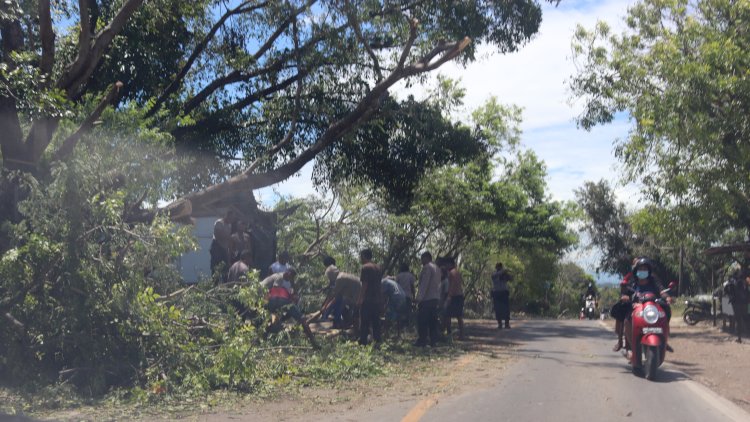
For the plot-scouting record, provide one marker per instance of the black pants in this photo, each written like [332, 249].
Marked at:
[501, 303]
[219, 256]
[369, 317]
[740, 316]
[427, 321]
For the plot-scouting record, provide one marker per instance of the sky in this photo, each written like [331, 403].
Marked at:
[534, 78]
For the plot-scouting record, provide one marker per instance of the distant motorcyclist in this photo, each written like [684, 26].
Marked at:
[591, 291]
[590, 301]
[591, 294]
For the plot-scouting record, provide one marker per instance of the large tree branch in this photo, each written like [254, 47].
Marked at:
[47, 34]
[199, 49]
[240, 76]
[84, 41]
[248, 181]
[11, 141]
[413, 25]
[354, 22]
[178, 132]
[75, 77]
[71, 141]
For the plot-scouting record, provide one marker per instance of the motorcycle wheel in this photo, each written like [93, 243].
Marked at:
[690, 317]
[651, 354]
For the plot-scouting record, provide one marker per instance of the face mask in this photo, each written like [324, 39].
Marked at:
[642, 274]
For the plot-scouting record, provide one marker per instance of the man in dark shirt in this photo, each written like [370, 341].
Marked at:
[739, 297]
[370, 298]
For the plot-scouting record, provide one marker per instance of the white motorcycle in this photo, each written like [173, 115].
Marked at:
[590, 308]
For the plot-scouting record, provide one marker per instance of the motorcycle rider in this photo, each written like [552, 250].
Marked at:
[591, 295]
[590, 291]
[646, 282]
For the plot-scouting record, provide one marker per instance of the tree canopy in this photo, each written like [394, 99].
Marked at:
[679, 70]
[259, 87]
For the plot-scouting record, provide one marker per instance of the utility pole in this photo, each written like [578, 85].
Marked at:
[679, 275]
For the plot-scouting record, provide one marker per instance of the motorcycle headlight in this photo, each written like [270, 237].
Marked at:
[651, 314]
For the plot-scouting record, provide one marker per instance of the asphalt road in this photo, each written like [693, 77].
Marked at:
[566, 371]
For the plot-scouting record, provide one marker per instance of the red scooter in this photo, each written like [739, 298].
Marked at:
[649, 335]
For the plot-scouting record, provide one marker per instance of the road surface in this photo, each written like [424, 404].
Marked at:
[566, 371]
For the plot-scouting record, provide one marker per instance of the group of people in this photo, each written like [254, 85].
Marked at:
[360, 300]
[363, 300]
[231, 248]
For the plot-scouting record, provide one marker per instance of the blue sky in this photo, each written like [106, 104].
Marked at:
[534, 78]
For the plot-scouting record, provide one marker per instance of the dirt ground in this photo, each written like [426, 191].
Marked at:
[711, 357]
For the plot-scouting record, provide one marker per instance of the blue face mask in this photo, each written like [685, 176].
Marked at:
[643, 274]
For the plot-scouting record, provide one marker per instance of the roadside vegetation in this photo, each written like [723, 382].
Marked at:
[121, 117]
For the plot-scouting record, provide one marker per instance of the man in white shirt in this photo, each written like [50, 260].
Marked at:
[428, 297]
[281, 265]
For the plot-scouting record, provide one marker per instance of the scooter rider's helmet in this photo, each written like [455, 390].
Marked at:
[643, 268]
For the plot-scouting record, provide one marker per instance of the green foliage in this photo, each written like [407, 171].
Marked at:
[407, 139]
[88, 283]
[652, 231]
[680, 71]
[607, 226]
[151, 46]
[474, 212]
[80, 280]
[568, 288]
[24, 82]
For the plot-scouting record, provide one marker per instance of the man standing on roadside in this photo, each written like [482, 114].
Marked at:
[501, 295]
[428, 296]
[455, 307]
[739, 298]
[370, 298]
